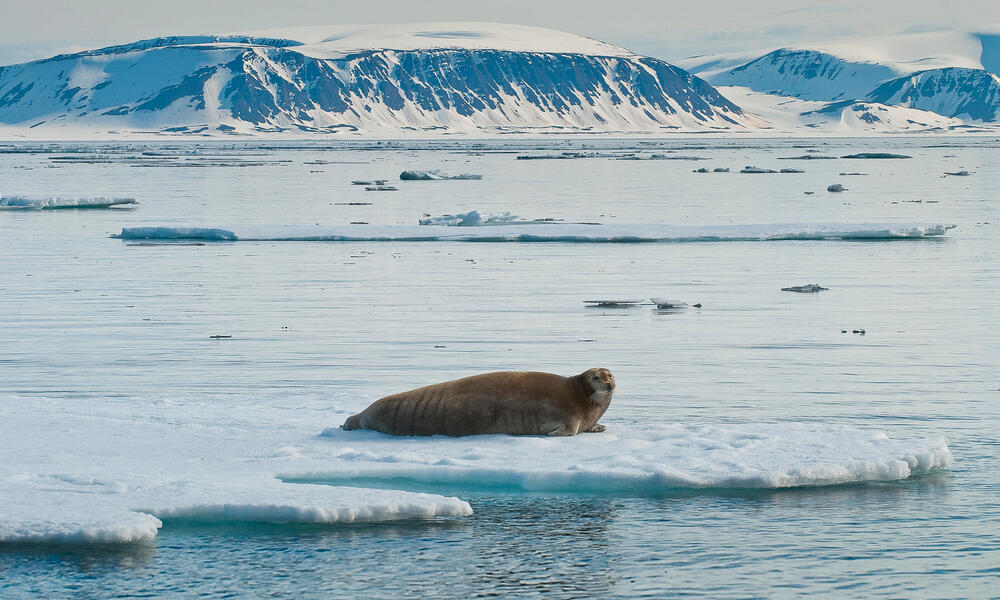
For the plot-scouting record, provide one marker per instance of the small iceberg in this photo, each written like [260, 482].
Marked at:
[53, 203]
[667, 304]
[435, 175]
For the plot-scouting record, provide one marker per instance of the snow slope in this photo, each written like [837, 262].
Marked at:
[386, 80]
[947, 76]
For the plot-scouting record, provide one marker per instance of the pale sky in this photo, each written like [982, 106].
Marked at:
[32, 29]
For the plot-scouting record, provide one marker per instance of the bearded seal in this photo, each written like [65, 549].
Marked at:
[511, 402]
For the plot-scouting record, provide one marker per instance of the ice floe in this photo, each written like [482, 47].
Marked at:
[31, 203]
[649, 460]
[434, 175]
[473, 218]
[119, 470]
[544, 232]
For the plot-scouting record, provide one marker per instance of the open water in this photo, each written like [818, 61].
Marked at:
[107, 332]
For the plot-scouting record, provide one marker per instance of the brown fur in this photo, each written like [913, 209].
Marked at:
[512, 402]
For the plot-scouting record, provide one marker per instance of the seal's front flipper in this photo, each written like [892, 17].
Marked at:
[597, 428]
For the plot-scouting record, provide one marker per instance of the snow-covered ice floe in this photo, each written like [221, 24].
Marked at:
[65, 479]
[435, 175]
[30, 203]
[547, 232]
[655, 460]
[474, 218]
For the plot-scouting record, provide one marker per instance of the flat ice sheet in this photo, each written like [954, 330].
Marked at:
[547, 232]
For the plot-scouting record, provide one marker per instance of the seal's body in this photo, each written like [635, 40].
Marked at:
[512, 402]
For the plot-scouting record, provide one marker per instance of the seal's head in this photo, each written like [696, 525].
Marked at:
[599, 383]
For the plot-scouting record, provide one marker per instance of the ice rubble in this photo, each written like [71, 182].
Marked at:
[545, 232]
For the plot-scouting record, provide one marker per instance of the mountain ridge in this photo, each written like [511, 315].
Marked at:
[508, 81]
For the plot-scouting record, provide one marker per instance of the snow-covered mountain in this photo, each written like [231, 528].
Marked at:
[385, 80]
[939, 80]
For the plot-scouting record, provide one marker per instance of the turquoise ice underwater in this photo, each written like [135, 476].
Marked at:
[753, 449]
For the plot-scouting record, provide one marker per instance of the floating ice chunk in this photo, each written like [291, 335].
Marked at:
[809, 288]
[651, 460]
[836, 188]
[176, 233]
[473, 218]
[792, 171]
[958, 173]
[876, 155]
[807, 157]
[666, 303]
[53, 203]
[753, 169]
[612, 303]
[433, 175]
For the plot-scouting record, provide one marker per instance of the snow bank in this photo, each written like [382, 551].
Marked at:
[547, 232]
[21, 202]
[624, 460]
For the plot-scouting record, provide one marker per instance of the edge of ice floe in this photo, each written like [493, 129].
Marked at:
[91, 520]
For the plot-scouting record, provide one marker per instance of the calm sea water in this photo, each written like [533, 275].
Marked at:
[85, 319]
